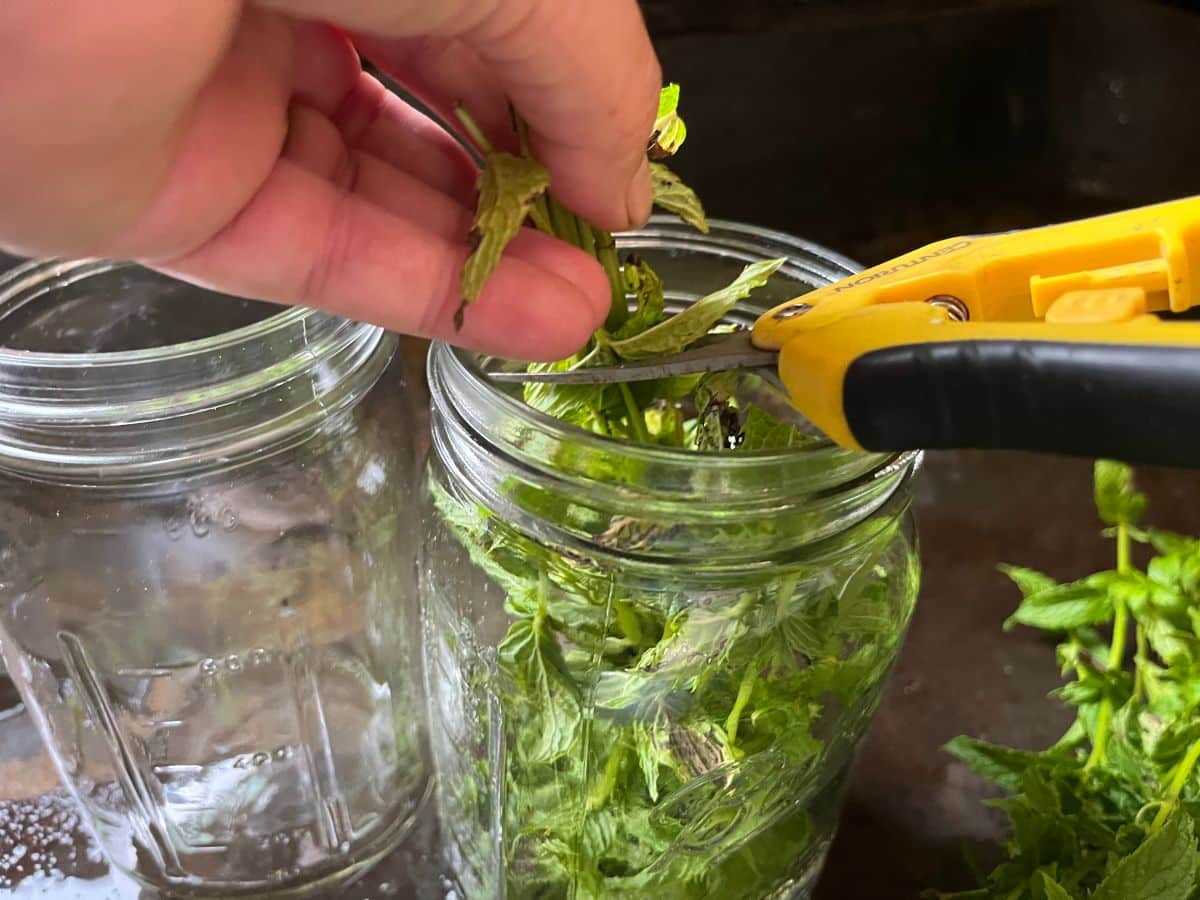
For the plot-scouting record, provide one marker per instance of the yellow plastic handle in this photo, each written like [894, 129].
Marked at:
[1150, 255]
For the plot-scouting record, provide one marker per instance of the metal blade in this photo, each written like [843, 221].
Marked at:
[721, 353]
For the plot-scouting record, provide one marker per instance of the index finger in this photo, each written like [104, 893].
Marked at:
[582, 74]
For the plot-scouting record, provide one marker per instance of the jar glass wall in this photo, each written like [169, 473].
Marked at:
[207, 591]
[648, 670]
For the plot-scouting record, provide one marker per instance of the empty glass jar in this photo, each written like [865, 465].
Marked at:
[207, 575]
[648, 670]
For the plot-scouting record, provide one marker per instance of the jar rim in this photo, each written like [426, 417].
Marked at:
[184, 407]
[37, 272]
[837, 463]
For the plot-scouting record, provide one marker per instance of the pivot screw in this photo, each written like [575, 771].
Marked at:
[955, 307]
[791, 311]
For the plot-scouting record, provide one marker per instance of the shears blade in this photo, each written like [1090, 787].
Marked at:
[715, 353]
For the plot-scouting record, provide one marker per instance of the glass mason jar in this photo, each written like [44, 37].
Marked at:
[207, 575]
[648, 669]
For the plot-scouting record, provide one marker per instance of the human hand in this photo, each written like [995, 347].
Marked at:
[239, 145]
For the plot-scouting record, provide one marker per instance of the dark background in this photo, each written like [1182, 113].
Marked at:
[875, 127]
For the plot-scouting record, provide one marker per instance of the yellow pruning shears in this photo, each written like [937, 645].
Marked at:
[1064, 339]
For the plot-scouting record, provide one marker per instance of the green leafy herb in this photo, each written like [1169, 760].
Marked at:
[1111, 811]
[1054, 890]
[667, 742]
[643, 283]
[665, 412]
[508, 188]
[1062, 607]
[685, 328]
[1116, 500]
[669, 129]
[676, 197]
[1162, 868]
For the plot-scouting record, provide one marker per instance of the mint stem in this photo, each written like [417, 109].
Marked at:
[1139, 661]
[563, 221]
[540, 217]
[599, 795]
[1186, 767]
[474, 132]
[1116, 653]
[637, 419]
[745, 689]
[587, 238]
[606, 252]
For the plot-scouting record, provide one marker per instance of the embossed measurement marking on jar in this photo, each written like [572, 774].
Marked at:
[262, 758]
[148, 672]
[239, 661]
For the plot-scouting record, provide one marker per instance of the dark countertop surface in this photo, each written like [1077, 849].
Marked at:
[910, 808]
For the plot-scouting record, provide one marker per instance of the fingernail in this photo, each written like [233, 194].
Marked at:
[639, 200]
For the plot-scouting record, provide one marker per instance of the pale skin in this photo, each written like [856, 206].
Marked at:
[240, 145]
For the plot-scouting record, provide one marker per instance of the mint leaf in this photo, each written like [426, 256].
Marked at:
[1002, 766]
[1028, 581]
[669, 129]
[1162, 868]
[531, 656]
[508, 187]
[761, 432]
[1054, 890]
[647, 287]
[1116, 500]
[1165, 542]
[587, 406]
[1064, 607]
[1175, 646]
[676, 197]
[685, 328]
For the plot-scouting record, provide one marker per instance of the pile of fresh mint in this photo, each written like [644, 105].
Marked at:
[697, 412]
[669, 735]
[1112, 811]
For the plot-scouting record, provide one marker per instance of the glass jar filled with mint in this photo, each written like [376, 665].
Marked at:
[657, 617]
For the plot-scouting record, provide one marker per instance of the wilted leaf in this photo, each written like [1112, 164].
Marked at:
[669, 129]
[687, 327]
[508, 187]
[674, 196]
[642, 281]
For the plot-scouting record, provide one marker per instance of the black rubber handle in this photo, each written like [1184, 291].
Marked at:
[1135, 403]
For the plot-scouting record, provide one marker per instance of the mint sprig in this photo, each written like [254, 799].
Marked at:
[1111, 811]
[515, 191]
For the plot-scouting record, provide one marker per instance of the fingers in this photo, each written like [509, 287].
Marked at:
[329, 78]
[317, 146]
[302, 240]
[582, 73]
